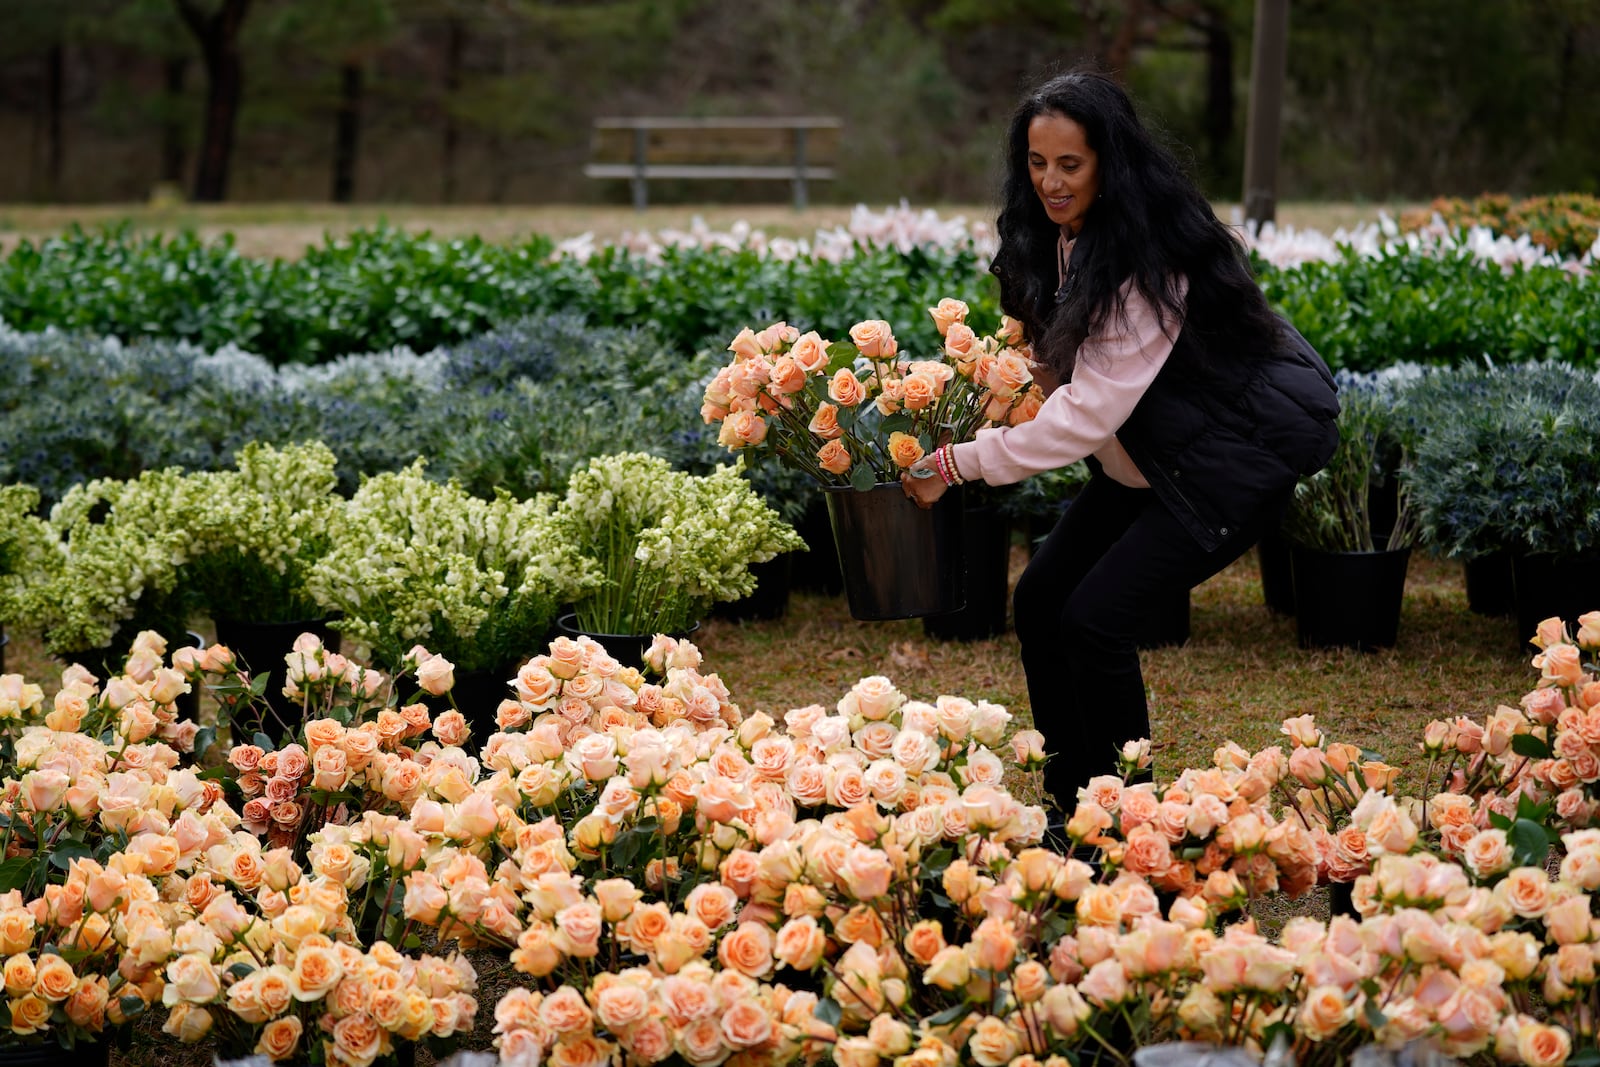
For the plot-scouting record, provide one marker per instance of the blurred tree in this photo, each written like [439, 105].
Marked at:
[344, 37]
[216, 25]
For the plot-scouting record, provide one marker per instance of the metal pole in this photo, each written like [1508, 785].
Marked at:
[641, 144]
[1268, 61]
[799, 168]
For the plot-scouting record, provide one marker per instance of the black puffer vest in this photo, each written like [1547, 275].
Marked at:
[1221, 438]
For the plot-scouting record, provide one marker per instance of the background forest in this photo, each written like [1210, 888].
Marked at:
[491, 100]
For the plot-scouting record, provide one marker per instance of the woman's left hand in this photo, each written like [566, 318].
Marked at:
[924, 490]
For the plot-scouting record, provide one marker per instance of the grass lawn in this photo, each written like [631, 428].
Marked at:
[286, 229]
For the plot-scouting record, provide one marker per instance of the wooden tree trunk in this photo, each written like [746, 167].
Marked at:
[347, 132]
[55, 97]
[1219, 90]
[173, 72]
[454, 44]
[218, 35]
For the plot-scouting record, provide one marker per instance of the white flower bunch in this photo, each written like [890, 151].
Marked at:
[115, 549]
[668, 543]
[255, 532]
[413, 560]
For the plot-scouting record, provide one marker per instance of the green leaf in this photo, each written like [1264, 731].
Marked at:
[828, 1011]
[64, 852]
[1498, 821]
[240, 970]
[1375, 1016]
[1589, 1057]
[1530, 746]
[862, 478]
[261, 740]
[626, 849]
[1530, 843]
[131, 1005]
[15, 872]
[949, 1015]
[204, 738]
[899, 422]
[841, 354]
[258, 686]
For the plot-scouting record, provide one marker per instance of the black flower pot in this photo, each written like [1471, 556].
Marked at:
[260, 647]
[1560, 586]
[1166, 622]
[477, 694]
[899, 561]
[821, 572]
[1277, 574]
[188, 704]
[1348, 599]
[48, 1053]
[626, 649]
[1490, 589]
[985, 576]
[771, 597]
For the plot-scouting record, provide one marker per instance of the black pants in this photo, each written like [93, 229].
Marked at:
[1078, 609]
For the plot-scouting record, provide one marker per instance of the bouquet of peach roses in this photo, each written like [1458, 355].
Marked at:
[859, 412]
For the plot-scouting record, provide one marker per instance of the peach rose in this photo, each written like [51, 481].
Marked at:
[874, 339]
[904, 449]
[993, 1043]
[845, 389]
[800, 943]
[1542, 1045]
[834, 457]
[280, 1038]
[748, 950]
[825, 422]
[947, 313]
[1527, 890]
[810, 352]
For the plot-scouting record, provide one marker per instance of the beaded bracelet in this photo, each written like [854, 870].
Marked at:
[938, 463]
[950, 462]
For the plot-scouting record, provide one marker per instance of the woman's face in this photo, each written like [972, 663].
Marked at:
[1065, 170]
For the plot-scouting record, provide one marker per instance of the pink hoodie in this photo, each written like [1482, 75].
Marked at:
[1081, 418]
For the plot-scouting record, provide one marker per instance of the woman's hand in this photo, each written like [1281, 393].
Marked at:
[924, 489]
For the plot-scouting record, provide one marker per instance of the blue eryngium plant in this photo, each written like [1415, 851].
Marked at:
[1508, 460]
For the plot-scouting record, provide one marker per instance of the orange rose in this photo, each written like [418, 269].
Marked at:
[904, 449]
[834, 457]
[958, 343]
[788, 377]
[1008, 375]
[801, 943]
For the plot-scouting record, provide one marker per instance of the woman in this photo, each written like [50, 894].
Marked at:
[1197, 408]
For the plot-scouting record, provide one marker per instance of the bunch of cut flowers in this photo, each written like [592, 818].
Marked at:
[256, 532]
[859, 412]
[667, 544]
[414, 560]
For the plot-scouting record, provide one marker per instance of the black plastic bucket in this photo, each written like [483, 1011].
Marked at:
[899, 561]
[1490, 589]
[1277, 574]
[626, 649]
[986, 544]
[1348, 599]
[1560, 586]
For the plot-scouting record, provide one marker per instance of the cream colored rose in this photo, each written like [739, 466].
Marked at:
[54, 979]
[993, 1043]
[1526, 890]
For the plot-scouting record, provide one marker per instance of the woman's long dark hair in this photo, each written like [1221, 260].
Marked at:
[1150, 224]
